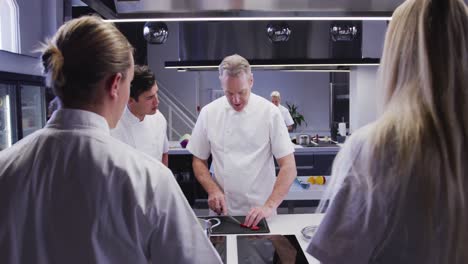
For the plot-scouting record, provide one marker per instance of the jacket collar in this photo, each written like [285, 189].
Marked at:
[129, 117]
[67, 118]
[247, 109]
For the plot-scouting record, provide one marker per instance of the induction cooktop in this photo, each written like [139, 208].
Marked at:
[269, 249]
[219, 243]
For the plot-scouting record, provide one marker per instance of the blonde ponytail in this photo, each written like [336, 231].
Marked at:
[53, 61]
[82, 53]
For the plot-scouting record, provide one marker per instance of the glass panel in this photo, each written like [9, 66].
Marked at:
[32, 108]
[7, 122]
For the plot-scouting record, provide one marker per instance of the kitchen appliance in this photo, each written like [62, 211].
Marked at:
[228, 226]
[220, 244]
[269, 249]
[342, 129]
[22, 107]
[303, 139]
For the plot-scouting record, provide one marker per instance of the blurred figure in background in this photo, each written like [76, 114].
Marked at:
[276, 100]
[71, 193]
[142, 126]
[400, 185]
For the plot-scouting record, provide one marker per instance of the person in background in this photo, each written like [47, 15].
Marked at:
[276, 100]
[400, 185]
[71, 193]
[142, 126]
[242, 131]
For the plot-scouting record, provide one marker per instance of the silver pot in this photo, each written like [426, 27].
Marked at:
[303, 139]
[207, 224]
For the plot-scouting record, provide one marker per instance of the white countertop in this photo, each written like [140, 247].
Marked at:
[285, 224]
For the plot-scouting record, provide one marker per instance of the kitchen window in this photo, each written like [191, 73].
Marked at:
[9, 26]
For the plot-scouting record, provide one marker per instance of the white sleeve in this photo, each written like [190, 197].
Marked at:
[165, 144]
[281, 144]
[199, 145]
[288, 118]
[177, 236]
[166, 141]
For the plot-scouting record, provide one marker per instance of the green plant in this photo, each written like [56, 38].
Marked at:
[297, 117]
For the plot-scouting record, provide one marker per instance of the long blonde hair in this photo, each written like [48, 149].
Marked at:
[81, 53]
[420, 142]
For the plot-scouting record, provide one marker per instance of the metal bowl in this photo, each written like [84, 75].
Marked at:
[308, 232]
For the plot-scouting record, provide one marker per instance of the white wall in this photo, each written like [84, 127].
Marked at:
[363, 87]
[373, 38]
[363, 96]
[308, 90]
[38, 19]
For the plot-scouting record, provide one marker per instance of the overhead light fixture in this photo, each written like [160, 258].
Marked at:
[278, 32]
[279, 64]
[318, 70]
[155, 32]
[293, 18]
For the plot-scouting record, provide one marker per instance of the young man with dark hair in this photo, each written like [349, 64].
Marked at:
[142, 126]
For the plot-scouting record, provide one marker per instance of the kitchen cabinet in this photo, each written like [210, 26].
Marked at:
[181, 167]
[313, 163]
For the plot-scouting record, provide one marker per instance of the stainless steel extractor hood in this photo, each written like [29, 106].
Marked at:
[209, 30]
[305, 45]
[183, 10]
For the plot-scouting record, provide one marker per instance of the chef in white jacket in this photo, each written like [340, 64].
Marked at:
[71, 193]
[142, 126]
[243, 132]
[276, 100]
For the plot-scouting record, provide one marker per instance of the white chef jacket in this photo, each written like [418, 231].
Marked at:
[242, 145]
[148, 135]
[367, 234]
[71, 193]
[286, 115]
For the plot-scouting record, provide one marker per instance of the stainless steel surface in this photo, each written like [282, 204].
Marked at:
[194, 8]
[202, 46]
[309, 231]
[302, 40]
[215, 40]
[207, 224]
[303, 139]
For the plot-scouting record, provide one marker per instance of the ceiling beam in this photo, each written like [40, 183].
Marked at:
[101, 8]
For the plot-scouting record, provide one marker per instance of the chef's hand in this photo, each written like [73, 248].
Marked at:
[217, 203]
[256, 214]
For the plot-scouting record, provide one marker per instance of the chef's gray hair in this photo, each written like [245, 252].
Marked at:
[420, 140]
[233, 65]
[275, 94]
[82, 53]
